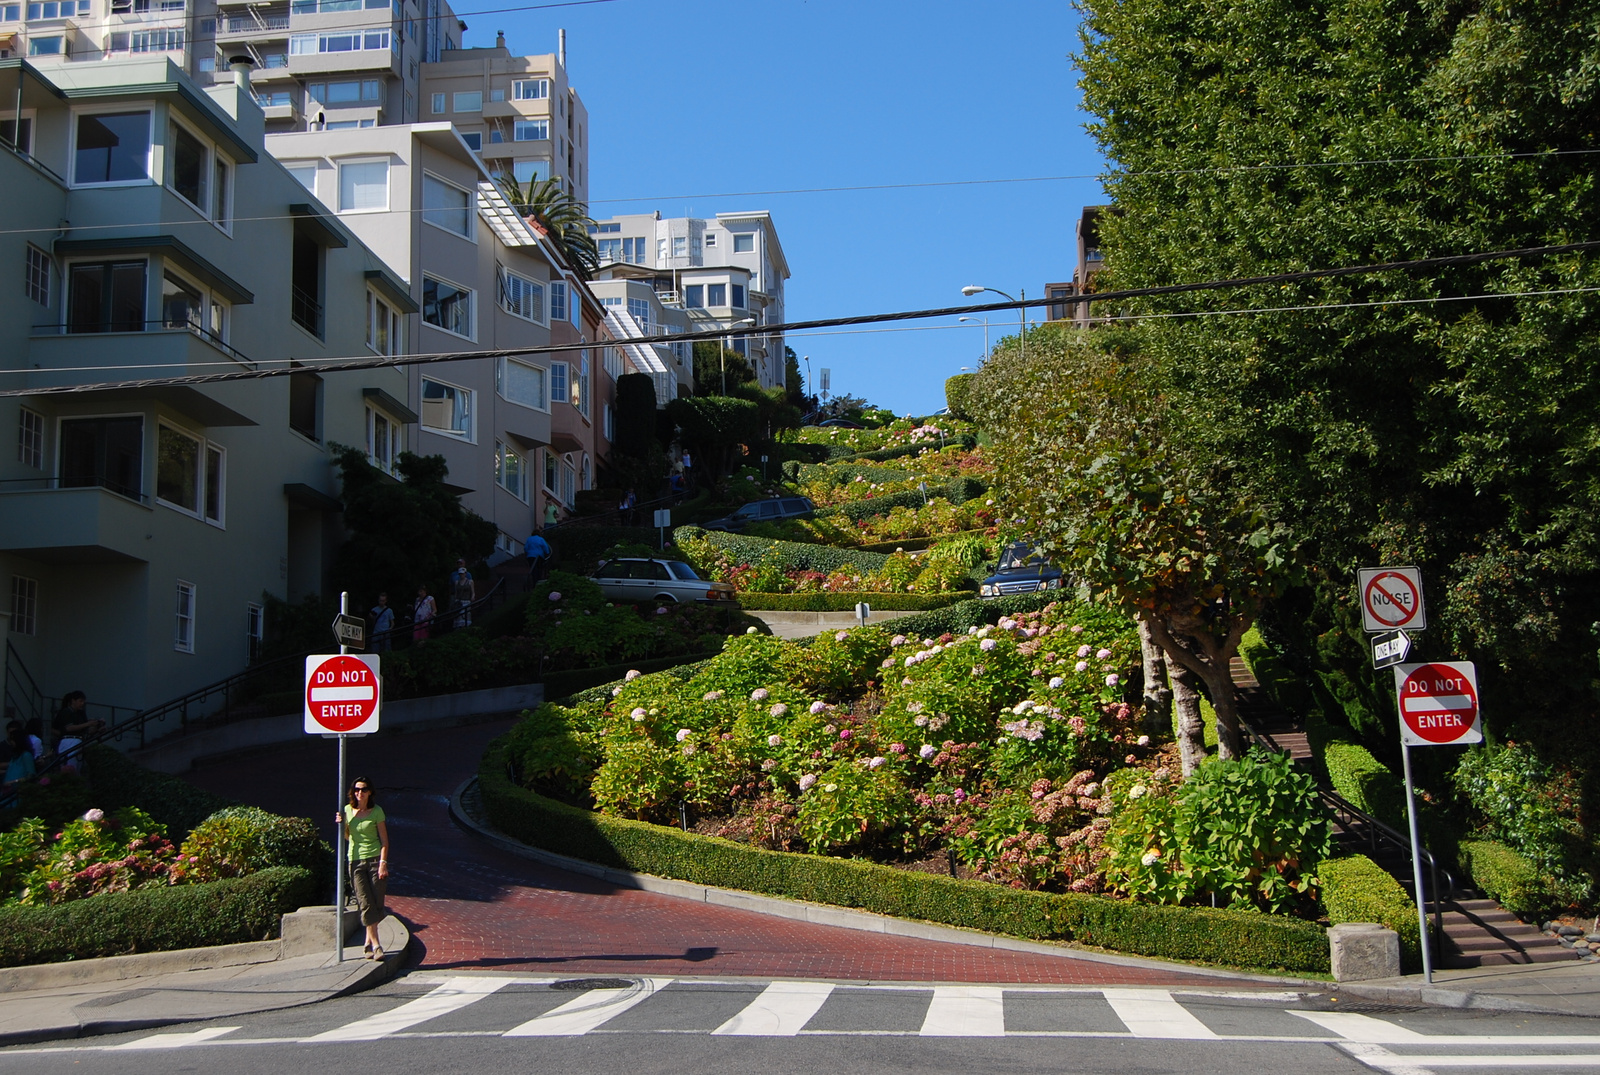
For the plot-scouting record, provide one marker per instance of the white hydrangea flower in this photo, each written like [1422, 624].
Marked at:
[1150, 858]
[684, 733]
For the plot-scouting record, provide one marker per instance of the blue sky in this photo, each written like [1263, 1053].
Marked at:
[713, 96]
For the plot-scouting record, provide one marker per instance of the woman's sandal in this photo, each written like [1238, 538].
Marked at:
[377, 954]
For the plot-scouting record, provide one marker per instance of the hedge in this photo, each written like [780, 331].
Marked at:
[838, 601]
[577, 548]
[1356, 889]
[154, 919]
[1198, 934]
[793, 555]
[561, 684]
[1365, 782]
[957, 490]
[119, 781]
[972, 612]
[1509, 878]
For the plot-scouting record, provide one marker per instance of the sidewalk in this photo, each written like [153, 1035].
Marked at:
[116, 1004]
[1567, 988]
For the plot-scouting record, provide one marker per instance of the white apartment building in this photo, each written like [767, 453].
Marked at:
[719, 272]
[633, 309]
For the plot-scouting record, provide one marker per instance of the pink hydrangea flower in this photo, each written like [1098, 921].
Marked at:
[1102, 655]
[779, 710]
[876, 763]
[759, 694]
[555, 595]
[95, 814]
[711, 696]
[841, 636]
[638, 713]
[897, 748]
[1113, 679]
[1144, 740]
[818, 707]
[1056, 681]
[808, 781]
[633, 673]
[927, 751]
[898, 640]
[684, 733]
[1083, 651]
[1077, 629]
[987, 644]
[1081, 666]
[774, 740]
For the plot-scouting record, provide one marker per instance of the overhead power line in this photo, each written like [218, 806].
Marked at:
[339, 365]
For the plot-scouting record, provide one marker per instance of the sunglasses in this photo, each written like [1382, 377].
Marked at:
[359, 791]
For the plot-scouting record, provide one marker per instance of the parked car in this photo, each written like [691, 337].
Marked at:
[641, 581]
[1021, 570]
[765, 511]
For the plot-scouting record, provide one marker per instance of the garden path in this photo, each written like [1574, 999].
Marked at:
[470, 905]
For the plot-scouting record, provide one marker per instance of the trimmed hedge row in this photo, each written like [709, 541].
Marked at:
[118, 781]
[793, 555]
[561, 684]
[1365, 782]
[1187, 933]
[1510, 878]
[1356, 889]
[957, 490]
[844, 602]
[155, 919]
[972, 612]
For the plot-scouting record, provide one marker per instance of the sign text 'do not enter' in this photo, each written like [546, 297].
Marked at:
[1438, 703]
[342, 694]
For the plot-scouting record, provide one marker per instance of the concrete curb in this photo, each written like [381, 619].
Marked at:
[140, 965]
[843, 917]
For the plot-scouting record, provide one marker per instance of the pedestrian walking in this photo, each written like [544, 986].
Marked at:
[422, 614]
[462, 593]
[688, 471]
[538, 552]
[382, 623]
[72, 723]
[551, 514]
[19, 766]
[626, 508]
[367, 832]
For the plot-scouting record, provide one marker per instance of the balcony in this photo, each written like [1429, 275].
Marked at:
[253, 26]
[173, 349]
[42, 520]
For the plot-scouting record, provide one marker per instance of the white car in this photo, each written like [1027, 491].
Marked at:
[648, 581]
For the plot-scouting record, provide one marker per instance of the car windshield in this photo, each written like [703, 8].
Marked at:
[1020, 556]
[749, 511]
[681, 570]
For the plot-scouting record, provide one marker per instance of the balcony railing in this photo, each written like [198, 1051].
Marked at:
[194, 329]
[253, 23]
[97, 481]
[306, 312]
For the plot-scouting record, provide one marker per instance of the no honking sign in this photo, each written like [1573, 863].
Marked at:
[1438, 703]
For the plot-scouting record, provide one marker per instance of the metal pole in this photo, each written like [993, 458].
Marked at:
[1416, 866]
[339, 841]
[1024, 293]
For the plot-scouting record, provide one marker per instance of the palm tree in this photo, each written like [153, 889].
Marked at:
[563, 218]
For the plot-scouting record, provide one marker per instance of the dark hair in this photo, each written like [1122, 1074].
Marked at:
[372, 792]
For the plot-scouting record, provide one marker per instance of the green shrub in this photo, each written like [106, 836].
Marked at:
[955, 393]
[240, 840]
[974, 612]
[172, 802]
[1512, 880]
[1533, 807]
[790, 555]
[558, 685]
[1365, 782]
[1356, 889]
[1218, 936]
[155, 919]
[578, 548]
[834, 601]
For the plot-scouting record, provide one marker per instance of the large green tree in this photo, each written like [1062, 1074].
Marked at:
[1445, 418]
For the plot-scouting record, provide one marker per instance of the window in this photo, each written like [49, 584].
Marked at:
[216, 473]
[738, 295]
[608, 422]
[106, 296]
[45, 46]
[348, 41]
[680, 246]
[609, 249]
[112, 147]
[558, 382]
[305, 174]
[606, 229]
[634, 250]
[552, 472]
[521, 296]
[446, 408]
[36, 276]
[528, 171]
[716, 294]
[446, 206]
[694, 296]
[182, 305]
[447, 306]
[305, 283]
[363, 186]
[611, 358]
[531, 130]
[580, 389]
[352, 92]
[104, 452]
[558, 300]
[474, 141]
[383, 440]
[178, 463]
[437, 103]
[640, 310]
[305, 404]
[383, 326]
[530, 89]
[188, 167]
[30, 439]
[22, 143]
[468, 101]
[255, 629]
[744, 243]
[518, 382]
[24, 605]
[183, 632]
[497, 95]
[510, 472]
[221, 191]
[711, 238]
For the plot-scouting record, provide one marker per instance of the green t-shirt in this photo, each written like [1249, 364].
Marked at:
[364, 842]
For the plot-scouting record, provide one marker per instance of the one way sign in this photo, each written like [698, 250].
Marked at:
[1390, 648]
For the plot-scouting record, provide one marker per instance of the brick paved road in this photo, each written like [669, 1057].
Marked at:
[473, 906]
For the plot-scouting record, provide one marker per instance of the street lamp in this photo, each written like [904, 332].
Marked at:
[807, 360]
[985, 321]
[723, 357]
[978, 289]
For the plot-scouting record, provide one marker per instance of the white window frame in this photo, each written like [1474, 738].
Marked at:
[255, 628]
[378, 309]
[149, 179]
[528, 286]
[535, 121]
[36, 263]
[516, 485]
[30, 438]
[207, 150]
[502, 378]
[558, 300]
[214, 509]
[540, 89]
[437, 101]
[394, 439]
[608, 422]
[292, 167]
[468, 211]
[472, 307]
[183, 628]
[204, 451]
[747, 236]
[24, 605]
[470, 434]
[560, 382]
[339, 167]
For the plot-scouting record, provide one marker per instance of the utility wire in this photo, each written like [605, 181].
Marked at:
[338, 365]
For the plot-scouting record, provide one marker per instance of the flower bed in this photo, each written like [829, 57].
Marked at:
[759, 565]
[846, 601]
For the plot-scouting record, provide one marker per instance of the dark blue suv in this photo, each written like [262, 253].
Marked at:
[1021, 570]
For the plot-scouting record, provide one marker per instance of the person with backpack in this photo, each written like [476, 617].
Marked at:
[538, 552]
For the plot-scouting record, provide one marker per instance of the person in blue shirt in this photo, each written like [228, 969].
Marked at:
[382, 621]
[537, 550]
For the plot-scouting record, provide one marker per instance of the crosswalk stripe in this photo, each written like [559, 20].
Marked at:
[782, 1010]
[1357, 1027]
[1376, 1056]
[1152, 1013]
[1427, 1063]
[966, 1011]
[178, 1040]
[588, 1010]
[453, 995]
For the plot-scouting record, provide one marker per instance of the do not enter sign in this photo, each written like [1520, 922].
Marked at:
[342, 694]
[1438, 703]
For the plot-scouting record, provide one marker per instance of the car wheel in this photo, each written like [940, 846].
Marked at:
[666, 599]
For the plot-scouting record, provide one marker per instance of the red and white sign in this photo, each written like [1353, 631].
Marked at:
[1438, 703]
[342, 694]
[1391, 598]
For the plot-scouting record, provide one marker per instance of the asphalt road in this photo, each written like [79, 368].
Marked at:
[497, 1023]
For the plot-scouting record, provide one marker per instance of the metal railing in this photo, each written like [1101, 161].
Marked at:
[253, 23]
[305, 311]
[156, 325]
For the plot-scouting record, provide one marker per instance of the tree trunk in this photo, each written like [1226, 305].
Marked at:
[1211, 659]
[1191, 724]
[1230, 739]
[1157, 695]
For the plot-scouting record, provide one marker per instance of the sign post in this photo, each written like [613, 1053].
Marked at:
[1438, 705]
[342, 697]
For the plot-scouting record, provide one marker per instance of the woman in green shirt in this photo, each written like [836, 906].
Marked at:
[368, 836]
